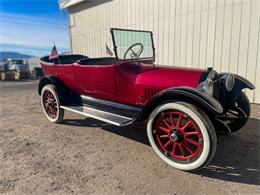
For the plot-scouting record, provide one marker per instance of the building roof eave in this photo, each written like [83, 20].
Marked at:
[68, 3]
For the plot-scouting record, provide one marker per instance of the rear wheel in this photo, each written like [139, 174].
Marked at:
[51, 104]
[182, 136]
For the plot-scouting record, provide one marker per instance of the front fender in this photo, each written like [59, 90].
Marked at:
[230, 97]
[185, 94]
[242, 83]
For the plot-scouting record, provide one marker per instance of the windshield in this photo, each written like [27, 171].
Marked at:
[132, 44]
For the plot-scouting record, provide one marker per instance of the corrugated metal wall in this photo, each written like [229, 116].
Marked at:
[223, 34]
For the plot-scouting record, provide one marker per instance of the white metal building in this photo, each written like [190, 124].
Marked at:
[223, 34]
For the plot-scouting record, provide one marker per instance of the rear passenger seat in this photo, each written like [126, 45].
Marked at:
[98, 61]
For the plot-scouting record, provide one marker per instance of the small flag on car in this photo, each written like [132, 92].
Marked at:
[109, 52]
[54, 53]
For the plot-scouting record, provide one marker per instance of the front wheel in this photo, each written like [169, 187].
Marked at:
[51, 104]
[182, 136]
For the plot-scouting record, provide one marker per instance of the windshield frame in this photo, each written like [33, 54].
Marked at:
[134, 59]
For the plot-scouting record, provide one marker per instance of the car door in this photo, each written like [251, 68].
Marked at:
[96, 80]
[103, 80]
[83, 77]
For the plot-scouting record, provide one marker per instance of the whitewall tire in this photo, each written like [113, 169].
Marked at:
[181, 135]
[51, 104]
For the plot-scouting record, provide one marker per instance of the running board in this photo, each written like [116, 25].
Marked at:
[111, 118]
[126, 110]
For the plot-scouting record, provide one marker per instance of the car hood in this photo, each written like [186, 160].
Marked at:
[168, 76]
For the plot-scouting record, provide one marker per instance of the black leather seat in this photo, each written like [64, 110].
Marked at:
[98, 61]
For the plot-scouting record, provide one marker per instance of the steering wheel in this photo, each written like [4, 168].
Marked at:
[134, 52]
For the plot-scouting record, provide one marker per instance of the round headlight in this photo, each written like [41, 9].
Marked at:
[208, 87]
[229, 82]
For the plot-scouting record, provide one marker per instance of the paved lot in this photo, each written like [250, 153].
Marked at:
[87, 156]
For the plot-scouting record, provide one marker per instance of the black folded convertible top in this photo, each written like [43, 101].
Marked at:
[64, 59]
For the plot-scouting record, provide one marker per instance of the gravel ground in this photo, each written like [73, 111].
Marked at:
[83, 155]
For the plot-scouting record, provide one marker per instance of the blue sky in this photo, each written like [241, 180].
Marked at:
[31, 26]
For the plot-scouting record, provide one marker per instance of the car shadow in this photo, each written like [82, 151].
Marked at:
[135, 132]
[236, 159]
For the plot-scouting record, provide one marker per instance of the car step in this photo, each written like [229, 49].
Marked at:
[111, 118]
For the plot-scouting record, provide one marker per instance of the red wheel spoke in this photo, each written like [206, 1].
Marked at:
[166, 123]
[190, 133]
[192, 141]
[186, 125]
[171, 119]
[164, 136]
[181, 149]
[164, 129]
[167, 144]
[178, 125]
[188, 148]
[174, 148]
[50, 104]
[179, 135]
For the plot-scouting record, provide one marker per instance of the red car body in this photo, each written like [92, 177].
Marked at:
[138, 81]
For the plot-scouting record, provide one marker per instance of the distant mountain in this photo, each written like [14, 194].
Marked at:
[13, 55]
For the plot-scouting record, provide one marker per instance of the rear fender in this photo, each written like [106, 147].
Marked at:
[184, 94]
[43, 81]
[50, 80]
[64, 93]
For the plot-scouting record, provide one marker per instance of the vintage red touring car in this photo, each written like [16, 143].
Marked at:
[184, 108]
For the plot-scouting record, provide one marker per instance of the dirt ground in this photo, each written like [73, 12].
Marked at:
[83, 155]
